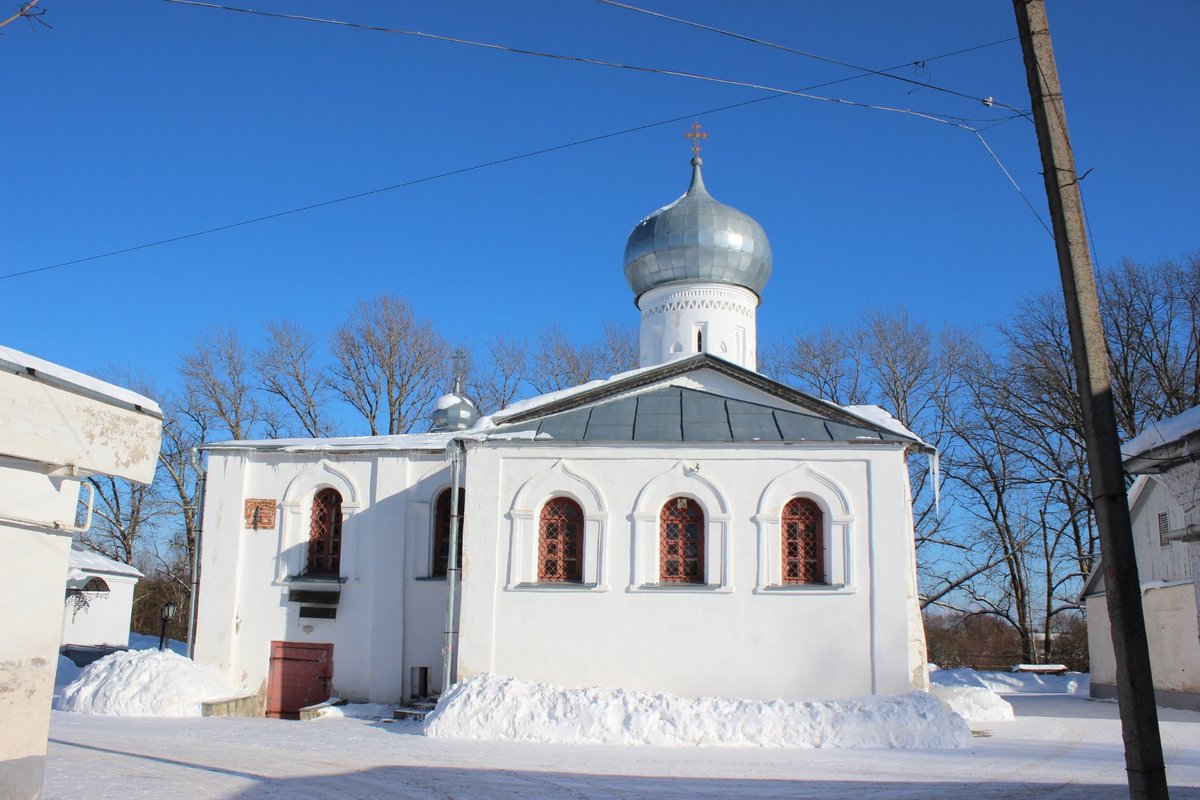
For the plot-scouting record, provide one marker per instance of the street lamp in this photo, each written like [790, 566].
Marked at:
[168, 611]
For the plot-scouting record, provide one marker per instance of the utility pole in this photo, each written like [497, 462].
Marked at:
[1135, 689]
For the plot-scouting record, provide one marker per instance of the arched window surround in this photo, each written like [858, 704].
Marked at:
[832, 499]
[559, 479]
[681, 480]
[295, 510]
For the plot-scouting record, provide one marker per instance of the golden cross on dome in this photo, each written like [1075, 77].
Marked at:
[696, 135]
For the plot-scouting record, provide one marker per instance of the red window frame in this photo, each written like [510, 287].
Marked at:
[560, 542]
[441, 531]
[325, 534]
[802, 529]
[681, 542]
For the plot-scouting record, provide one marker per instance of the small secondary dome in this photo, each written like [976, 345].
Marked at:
[454, 412]
[697, 238]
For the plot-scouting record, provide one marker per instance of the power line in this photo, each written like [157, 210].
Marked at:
[380, 190]
[935, 117]
[508, 159]
[987, 101]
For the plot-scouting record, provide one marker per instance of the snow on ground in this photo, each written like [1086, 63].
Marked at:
[356, 710]
[506, 709]
[973, 703]
[1059, 747]
[149, 683]
[1013, 682]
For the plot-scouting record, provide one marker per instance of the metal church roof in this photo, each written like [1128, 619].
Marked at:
[674, 414]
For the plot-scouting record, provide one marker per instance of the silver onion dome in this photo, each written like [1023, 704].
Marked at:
[697, 238]
[454, 412]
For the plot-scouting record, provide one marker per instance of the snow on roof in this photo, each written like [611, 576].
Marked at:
[49, 372]
[86, 560]
[878, 416]
[522, 406]
[399, 442]
[1162, 433]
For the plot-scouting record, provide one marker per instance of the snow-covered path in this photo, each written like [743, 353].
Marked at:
[1058, 747]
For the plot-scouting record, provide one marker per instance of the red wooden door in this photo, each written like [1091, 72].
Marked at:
[301, 675]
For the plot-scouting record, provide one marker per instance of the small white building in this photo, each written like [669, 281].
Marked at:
[99, 600]
[690, 526]
[1164, 506]
[57, 426]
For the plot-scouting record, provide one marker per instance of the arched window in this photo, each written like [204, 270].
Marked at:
[681, 542]
[95, 585]
[325, 534]
[560, 541]
[803, 532]
[441, 532]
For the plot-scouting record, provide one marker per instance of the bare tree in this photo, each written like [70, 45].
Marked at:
[123, 518]
[1152, 326]
[617, 350]
[559, 363]
[830, 365]
[289, 370]
[388, 364]
[217, 380]
[496, 382]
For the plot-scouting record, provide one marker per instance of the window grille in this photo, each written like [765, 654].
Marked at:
[1164, 529]
[681, 542]
[803, 542]
[441, 531]
[325, 534]
[560, 541]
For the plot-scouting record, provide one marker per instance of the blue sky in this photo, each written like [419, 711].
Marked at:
[137, 120]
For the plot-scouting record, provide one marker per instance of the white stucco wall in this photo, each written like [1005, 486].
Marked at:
[105, 618]
[1170, 612]
[56, 427]
[31, 614]
[1168, 603]
[742, 635]
[390, 616]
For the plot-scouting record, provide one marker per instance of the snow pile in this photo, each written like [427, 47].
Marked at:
[145, 683]
[357, 710]
[1013, 682]
[66, 671]
[973, 703]
[493, 707]
[144, 641]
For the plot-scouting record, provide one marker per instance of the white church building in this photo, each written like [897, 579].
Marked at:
[690, 526]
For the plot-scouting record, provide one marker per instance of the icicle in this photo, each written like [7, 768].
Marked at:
[935, 468]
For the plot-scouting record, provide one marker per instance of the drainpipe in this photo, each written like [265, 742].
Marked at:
[201, 481]
[453, 568]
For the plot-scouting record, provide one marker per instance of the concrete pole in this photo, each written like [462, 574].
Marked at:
[1135, 689]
